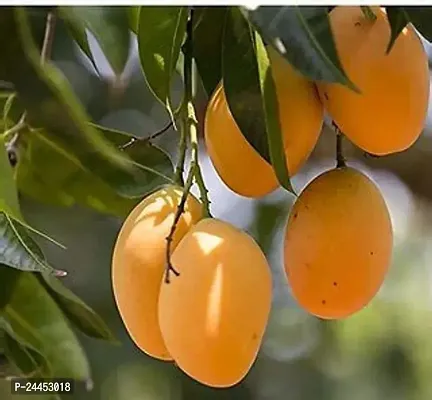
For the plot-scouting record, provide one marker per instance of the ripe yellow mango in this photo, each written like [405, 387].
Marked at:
[213, 316]
[338, 244]
[237, 163]
[390, 112]
[139, 261]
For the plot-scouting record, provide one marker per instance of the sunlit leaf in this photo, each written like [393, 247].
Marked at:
[109, 25]
[50, 103]
[398, 20]
[70, 183]
[207, 44]
[161, 32]
[18, 249]
[36, 319]
[303, 36]
[133, 13]
[271, 115]
[78, 312]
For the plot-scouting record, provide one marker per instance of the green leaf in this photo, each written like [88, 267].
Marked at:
[110, 26]
[69, 183]
[79, 34]
[271, 114]
[8, 279]
[9, 202]
[207, 45]
[50, 103]
[133, 13]
[28, 361]
[161, 32]
[78, 312]
[421, 18]
[18, 249]
[241, 81]
[398, 20]
[303, 36]
[36, 318]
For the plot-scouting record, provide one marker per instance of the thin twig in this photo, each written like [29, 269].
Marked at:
[191, 121]
[180, 209]
[49, 37]
[340, 159]
[147, 138]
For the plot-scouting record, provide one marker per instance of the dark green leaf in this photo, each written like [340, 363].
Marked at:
[271, 114]
[69, 183]
[79, 313]
[50, 103]
[421, 18]
[161, 32]
[8, 279]
[207, 45]
[18, 249]
[241, 81]
[78, 32]
[110, 26]
[9, 203]
[28, 361]
[303, 36]
[36, 319]
[398, 20]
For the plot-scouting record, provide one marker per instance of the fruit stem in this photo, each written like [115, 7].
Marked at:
[178, 177]
[368, 13]
[340, 159]
[190, 118]
[169, 267]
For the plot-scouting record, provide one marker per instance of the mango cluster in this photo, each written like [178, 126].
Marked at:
[210, 320]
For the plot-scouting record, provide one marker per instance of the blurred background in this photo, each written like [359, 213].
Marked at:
[384, 351]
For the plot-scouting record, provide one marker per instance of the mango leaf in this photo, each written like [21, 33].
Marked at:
[207, 44]
[28, 361]
[161, 32]
[79, 34]
[78, 312]
[271, 115]
[398, 20]
[8, 279]
[109, 25]
[241, 81]
[18, 249]
[36, 318]
[421, 18]
[69, 183]
[50, 103]
[9, 202]
[303, 36]
[133, 13]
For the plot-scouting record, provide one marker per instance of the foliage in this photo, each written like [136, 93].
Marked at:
[52, 151]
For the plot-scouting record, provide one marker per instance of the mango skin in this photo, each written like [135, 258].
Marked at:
[338, 244]
[213, 316]
[139, 260]
[237, 163]
[390, 113]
